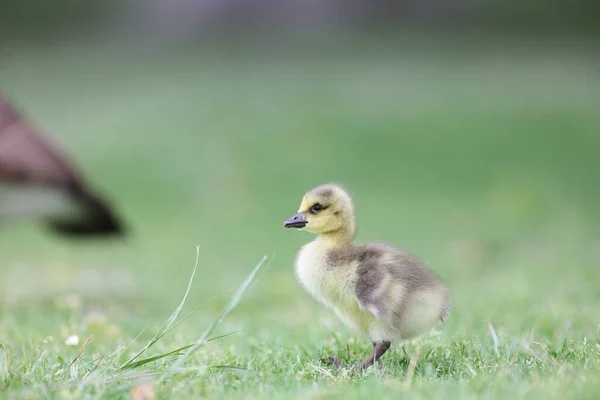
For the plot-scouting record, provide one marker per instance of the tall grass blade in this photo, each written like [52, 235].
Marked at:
[235, 300]
[168, 325]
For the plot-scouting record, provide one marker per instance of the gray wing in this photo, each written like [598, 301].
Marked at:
[386, 277]
[374, 282]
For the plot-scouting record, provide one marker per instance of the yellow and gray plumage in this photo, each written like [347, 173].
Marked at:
[374, 288]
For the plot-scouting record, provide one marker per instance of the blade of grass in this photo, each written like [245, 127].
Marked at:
[139, 363]
[222, 336]
[124, 349]
[229, 367]
[168, 325]
[77, 356]
[235, 300]
[186, 316]
[98, 362]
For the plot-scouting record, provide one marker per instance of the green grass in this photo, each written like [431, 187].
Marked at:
[481, 161]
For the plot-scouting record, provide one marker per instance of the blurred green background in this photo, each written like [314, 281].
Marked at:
[475, 151]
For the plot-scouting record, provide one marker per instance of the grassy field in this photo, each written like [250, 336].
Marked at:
[483, 162]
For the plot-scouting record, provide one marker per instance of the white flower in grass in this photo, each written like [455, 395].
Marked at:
[72, 340]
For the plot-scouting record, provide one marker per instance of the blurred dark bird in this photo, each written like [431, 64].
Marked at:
[38, 181]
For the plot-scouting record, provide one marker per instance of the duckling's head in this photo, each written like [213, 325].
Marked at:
[325, 210]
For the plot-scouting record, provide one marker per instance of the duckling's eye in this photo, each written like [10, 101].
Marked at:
[317, 208]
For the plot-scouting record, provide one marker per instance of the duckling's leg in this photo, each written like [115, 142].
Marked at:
[379, 348]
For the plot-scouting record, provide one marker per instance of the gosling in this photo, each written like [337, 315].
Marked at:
[375, 289]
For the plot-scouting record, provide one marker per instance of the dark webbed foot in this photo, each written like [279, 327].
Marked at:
[336, 362]
[379, 348]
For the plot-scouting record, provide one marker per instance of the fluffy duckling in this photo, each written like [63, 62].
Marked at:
[37, 181]
[375, 289]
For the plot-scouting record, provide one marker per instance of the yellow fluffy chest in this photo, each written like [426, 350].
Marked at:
[332, 285]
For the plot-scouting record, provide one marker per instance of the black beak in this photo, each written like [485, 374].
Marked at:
[297, 221]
